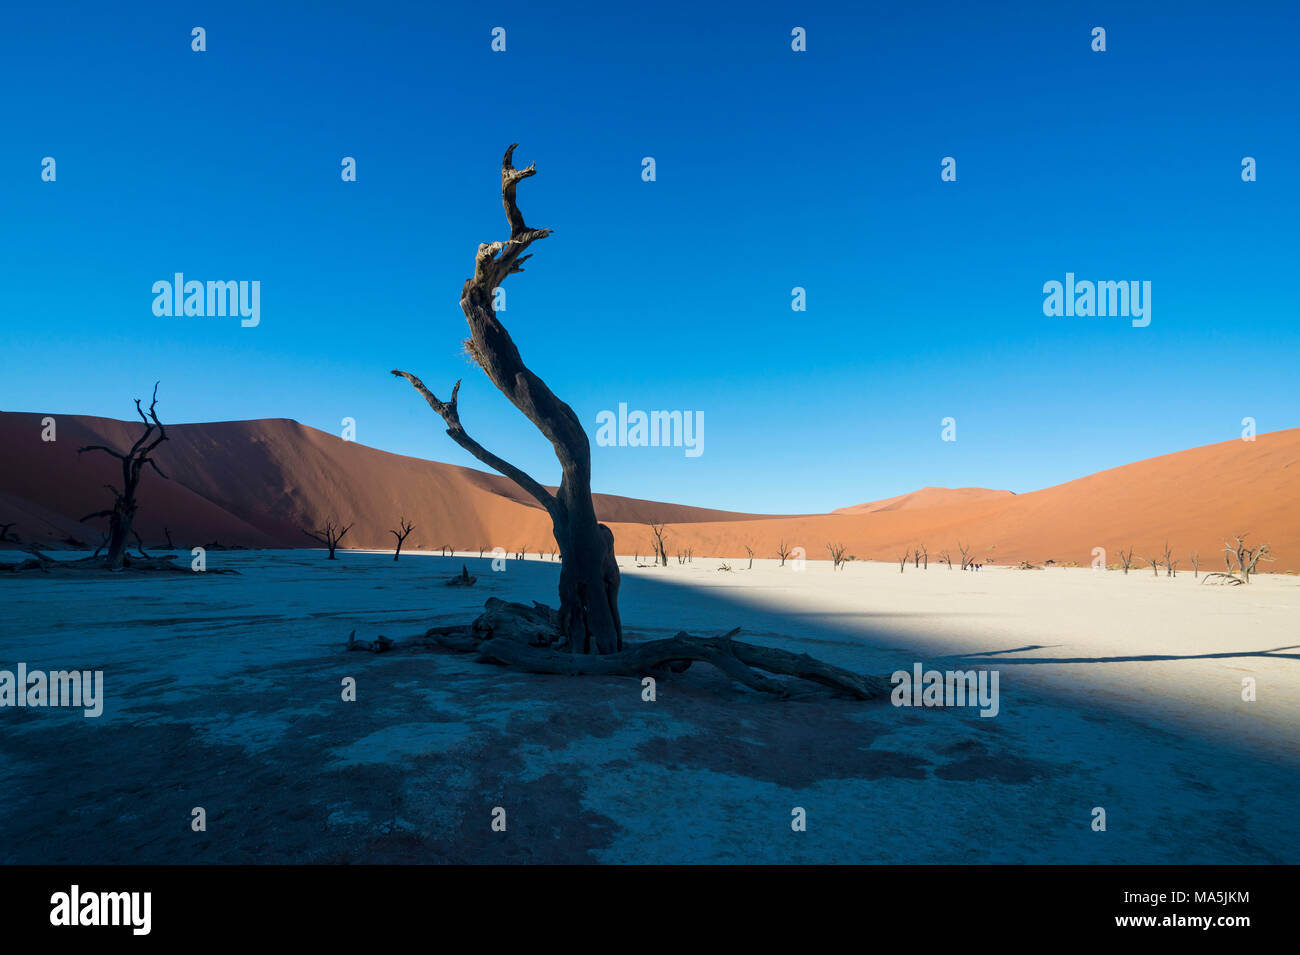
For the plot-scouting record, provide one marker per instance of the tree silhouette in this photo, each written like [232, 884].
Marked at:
[405, 528]
[329, 535]
[589, 578]
[121, 516]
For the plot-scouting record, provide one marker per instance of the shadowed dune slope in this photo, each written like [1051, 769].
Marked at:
[259, 483]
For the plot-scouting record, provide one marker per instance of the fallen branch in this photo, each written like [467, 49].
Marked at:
[1221, 579]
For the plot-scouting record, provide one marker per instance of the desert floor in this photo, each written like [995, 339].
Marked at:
[1121, 692]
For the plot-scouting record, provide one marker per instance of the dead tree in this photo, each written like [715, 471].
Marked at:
[902, 561]
[838, 559]
[1195, 558]
[925, 556]
[946, 558]
[750, 551]
[122, 515]
[1154, 563]
[404, 531]
[587, 624]
[782, 551]
[657, 543]
[965, 554]
[589, 578]
[329, 535]
[1255, 556]
[1247, 558]
[1126, 560]
[1169, 564]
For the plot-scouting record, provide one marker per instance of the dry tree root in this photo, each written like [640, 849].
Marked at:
[45, 564]
[463, 579]
[1221, 579]
[519, 636]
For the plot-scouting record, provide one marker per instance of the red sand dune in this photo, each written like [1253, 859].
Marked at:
[926, 497]
[259, 483]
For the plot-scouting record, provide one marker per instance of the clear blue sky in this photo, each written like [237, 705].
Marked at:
[775, 169]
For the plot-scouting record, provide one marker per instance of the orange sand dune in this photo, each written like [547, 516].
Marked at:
[259, 483]
[926, 497]
[1192, 499]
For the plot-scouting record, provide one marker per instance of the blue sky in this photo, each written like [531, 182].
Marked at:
[775, 169]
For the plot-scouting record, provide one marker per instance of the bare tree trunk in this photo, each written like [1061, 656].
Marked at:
[589, 579]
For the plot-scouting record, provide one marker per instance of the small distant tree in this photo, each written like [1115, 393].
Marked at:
[1170, 565]
[404, 532]
[925, 557]
[657, 529]
[1154, 563]
[902, 561]
[965, 554]
[329, 535]
[782, 551]
[837, 555]
[1195, 557]
[1126, 560]
[750, 551]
